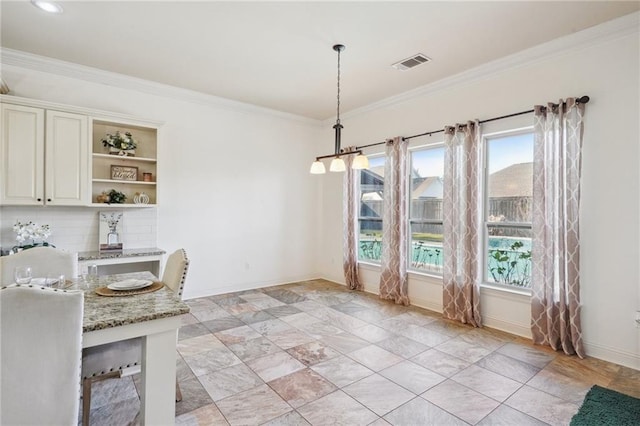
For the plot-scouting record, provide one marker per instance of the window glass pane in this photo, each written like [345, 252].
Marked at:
[509, 196]
[427, 169]
[509, 255]
[425, 212]
[370, 215]
[510, 182]
[370, 246]
[426, 247]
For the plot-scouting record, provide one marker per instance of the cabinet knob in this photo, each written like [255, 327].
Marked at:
[49, 199]
[39, 199]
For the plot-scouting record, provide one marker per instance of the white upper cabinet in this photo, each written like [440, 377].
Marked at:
[44, 157]
[22, 155]
[66, 159]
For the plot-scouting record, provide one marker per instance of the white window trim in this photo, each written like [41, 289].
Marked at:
[366, 261]
[433, 145]
[484, 283]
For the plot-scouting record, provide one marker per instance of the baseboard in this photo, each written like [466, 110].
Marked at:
[245, 286]
[507, 326]
[628, 359]
[426, 304]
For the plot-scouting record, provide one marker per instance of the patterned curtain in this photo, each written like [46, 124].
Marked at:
[461, 276]
[350, 215]
[555, 303]
[393, 279]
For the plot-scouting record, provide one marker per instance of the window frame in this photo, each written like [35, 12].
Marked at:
[510, 127]
[360, 218]
[484, 281]
[423, 147]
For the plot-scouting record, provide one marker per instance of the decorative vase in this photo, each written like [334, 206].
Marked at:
[122, 152]
[141, 198]
[113, 239]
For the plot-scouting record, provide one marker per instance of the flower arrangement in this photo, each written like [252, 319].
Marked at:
[30, 234]
[119, 142]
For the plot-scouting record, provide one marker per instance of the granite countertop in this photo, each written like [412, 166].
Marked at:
[96, 255]
[102, 312]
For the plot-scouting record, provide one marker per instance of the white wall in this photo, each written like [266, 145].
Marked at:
[607, 69]
[233, 183]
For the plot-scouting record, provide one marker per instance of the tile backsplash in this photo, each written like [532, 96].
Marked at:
[76, 228]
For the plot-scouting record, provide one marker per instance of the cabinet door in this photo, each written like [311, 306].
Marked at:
[67, 159]
[22, 155]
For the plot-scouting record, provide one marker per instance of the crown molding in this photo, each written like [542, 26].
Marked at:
[603, 33]
[611, 30]
[30, 61]
[94, 113]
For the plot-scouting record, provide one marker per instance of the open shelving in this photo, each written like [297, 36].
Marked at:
[144, 161]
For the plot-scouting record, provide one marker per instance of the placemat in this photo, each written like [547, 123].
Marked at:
[105, 291]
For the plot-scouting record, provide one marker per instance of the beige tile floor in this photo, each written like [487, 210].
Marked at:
[315, 353]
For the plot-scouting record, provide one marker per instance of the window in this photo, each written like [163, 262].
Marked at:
[507, 213]
[370, 215]
[425, 211]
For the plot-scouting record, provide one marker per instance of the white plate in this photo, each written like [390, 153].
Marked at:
[130, 284]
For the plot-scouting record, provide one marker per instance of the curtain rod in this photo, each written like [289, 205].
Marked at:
[580, 100]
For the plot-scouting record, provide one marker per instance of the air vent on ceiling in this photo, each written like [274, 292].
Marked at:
[411, 62]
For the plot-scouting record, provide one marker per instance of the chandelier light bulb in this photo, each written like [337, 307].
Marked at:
[337, 165]
[317, 168]
[360, 162]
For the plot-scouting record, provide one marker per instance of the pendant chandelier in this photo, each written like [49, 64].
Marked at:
[337, 164]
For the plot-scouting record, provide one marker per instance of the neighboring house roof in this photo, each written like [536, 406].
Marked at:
[430, 187]
[377, 171]
[513, 181]
[371, 181]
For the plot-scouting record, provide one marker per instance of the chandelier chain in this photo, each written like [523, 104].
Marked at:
[338, 103]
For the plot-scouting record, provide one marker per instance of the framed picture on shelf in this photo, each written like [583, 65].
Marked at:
[127, 173]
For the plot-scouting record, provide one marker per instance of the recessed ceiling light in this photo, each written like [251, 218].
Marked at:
[47, 6]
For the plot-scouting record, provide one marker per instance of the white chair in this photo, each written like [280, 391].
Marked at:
[42, 260]
[40, 355]
[124, 358]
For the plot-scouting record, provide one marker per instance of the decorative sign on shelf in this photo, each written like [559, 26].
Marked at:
[124, 173]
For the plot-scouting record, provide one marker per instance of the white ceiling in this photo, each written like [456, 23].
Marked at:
[279, 54]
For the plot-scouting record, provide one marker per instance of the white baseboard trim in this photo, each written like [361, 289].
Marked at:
[426, 304]
[244, 286]
[617, 356]
[507, 326]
